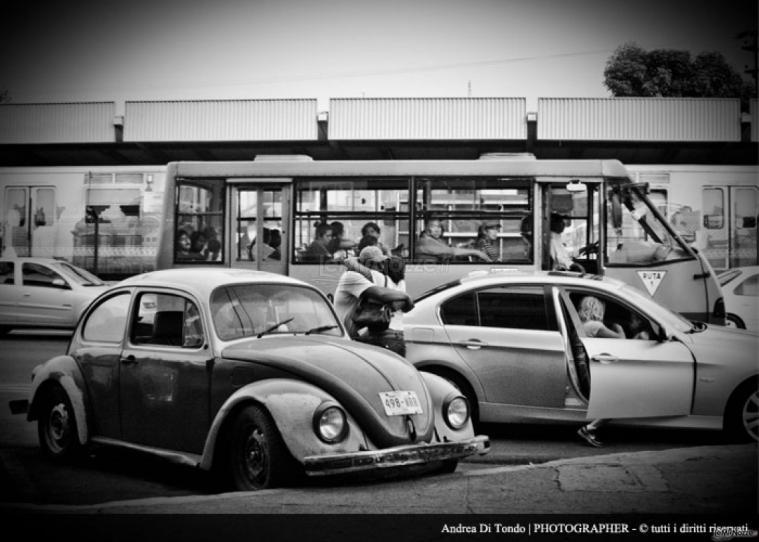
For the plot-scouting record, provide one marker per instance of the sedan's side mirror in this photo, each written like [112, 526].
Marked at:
[662, 336]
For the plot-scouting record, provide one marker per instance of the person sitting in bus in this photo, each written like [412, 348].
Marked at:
[560, 258]
[339, 247]
[198, 246]
[487, 234]
[318, 250]
[372, 229]
[432, 248]
[183, 244]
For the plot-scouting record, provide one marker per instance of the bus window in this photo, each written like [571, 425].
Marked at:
[743, 239]
[200, 218]
[570, 228]
[471, 219]
[343, 211]
[641, 238]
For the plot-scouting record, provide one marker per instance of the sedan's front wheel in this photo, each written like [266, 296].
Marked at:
[256, 454]
[56, 425]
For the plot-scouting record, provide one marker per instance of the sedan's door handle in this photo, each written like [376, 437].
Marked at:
[473, 344]
[605, 358]
[129, 360]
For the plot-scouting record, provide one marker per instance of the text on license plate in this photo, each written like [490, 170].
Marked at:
[397, 403]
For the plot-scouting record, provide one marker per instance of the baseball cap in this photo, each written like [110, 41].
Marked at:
[372, 253]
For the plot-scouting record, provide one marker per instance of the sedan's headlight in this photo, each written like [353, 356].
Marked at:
[330, 423]
[456, 412]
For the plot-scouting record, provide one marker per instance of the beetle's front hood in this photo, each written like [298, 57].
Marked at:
[352, 372]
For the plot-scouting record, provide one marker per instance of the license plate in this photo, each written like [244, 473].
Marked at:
[398, 403]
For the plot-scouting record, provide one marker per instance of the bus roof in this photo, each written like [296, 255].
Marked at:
[346, 168]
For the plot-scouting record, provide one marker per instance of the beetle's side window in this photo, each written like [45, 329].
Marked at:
[167, 320]
[107, 322]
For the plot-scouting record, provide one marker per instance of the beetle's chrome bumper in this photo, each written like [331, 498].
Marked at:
[398, 456]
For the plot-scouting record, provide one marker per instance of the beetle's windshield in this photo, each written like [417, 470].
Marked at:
[248, 310]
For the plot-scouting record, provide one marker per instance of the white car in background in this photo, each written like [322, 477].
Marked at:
[44, 293]
[740, 287]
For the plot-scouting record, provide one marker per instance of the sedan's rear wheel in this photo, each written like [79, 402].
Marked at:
[256, 454]
[56, 425]
[742, 421]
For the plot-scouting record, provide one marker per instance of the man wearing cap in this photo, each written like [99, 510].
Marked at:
[353, 284]
[486, 239]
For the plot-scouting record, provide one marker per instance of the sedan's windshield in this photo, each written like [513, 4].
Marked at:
[77, 274]
[252, 310]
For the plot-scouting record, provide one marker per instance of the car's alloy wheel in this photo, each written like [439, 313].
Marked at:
[257, 456]
[56, 425]
[742, 414]
[750, 415]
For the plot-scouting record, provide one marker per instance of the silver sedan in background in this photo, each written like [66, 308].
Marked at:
[514, 344]
[44, 293]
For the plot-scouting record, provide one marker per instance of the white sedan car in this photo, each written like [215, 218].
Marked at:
[740, 287]
[516, 346]
[44, 293]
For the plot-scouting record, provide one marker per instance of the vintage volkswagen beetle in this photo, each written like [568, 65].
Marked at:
[248, 373]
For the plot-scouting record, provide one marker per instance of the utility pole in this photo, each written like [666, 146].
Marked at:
[750, 45]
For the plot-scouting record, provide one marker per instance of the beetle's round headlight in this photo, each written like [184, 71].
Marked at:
[456, 412]
[330, 424]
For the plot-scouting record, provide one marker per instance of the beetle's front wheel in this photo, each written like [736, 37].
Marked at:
[56, 426]
[256, 454]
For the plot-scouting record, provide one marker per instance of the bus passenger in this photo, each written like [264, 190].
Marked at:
[372, 229]
[183, 244]
[198, 242]
[560, 258]
[318, 250]
[487, 234]
[431, 248]
[339, 246]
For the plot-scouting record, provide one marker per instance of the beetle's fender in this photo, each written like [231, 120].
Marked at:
[292, 404]
[66, 373]
[443, 391]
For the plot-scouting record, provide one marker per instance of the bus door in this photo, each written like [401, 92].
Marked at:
[730, 216]
[643, 250]
[570, 225]
[258, 235]
[29, 217]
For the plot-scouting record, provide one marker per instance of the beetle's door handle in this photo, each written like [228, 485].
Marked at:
[129, 360]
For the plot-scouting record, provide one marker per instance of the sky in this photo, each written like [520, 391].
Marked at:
[117, 50]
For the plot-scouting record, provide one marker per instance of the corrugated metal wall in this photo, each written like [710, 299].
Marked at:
[90, 122]
[427, 118]
[221, 120]
[639, 119]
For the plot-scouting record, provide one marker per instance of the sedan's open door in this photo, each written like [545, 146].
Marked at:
[636, 378]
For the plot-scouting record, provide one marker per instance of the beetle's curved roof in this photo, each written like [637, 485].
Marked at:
[203, 280]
